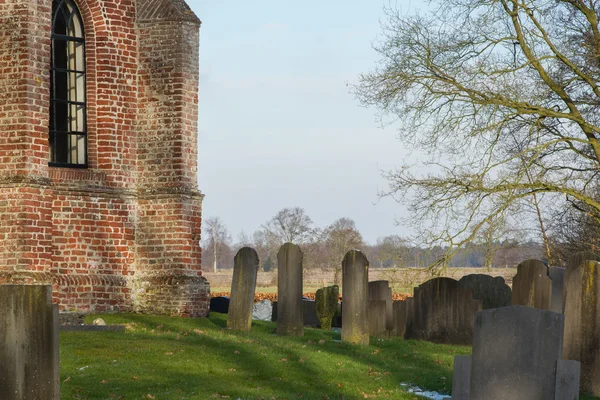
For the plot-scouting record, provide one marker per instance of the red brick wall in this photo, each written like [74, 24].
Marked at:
[123, 234]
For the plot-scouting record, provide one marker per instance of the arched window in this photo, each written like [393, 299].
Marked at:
[67, 130]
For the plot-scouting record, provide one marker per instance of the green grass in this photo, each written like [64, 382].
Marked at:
[173, 358]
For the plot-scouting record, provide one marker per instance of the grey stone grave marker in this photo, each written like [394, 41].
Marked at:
[557, 275]
[492, 291]
[378, 318]
[243, 286]
[442, 311]
[582, 322]
[327, 305]
[517, 354]
[381, 290]
[290, 315]
[29, 360]
[400, 312]
[355, 273]
[532, 286]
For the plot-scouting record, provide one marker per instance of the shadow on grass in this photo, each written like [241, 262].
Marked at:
[173, 358]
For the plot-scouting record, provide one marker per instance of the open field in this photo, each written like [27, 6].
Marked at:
[167, 358]
[402, 280]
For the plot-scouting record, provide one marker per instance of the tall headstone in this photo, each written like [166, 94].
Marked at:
[582, 322]
[355, 275]
[290, 315]
[517, 355]
[442, 311]
[326, 300]
[532, 286]
[381, 290]
[29, 359]
[243, 286]
[492, 291]
[557, 275]
[578, 258]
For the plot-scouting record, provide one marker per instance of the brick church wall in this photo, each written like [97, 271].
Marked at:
[123, 234]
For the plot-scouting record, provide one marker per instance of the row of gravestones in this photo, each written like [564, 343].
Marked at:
[442, 309]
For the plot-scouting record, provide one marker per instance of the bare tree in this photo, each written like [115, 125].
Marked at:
[469, 81]
[289, 225]
[339, 237]
[217, 238]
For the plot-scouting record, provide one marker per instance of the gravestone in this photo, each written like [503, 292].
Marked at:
[355, 275]
[290, 320]
[220, 304]
[441, 311]
[582, 322]
[578, 258]
[532, 286]
[492, 291]
[517, 355]
[327, 305]
[262, 311]
[378, 318]
[243, 285]
[309, 313]
[400, 314]
[29, 340]
[381, 290]
[461, 378]
[557, 276]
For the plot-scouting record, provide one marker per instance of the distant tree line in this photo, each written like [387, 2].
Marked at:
[499, 246]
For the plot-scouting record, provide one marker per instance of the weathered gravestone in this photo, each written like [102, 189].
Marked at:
[532, 286]
[290, 320]
[492, 291]
[327, 305]
[381, 290]
[243, 285]
[400, 314]
[355, 273]
[557, 276]
[442, 311]
[517, 355]
[29, 338]
[263, 310]
[220, 304]
[582, 322]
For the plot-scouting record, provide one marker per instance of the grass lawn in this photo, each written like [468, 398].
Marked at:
[174, 358]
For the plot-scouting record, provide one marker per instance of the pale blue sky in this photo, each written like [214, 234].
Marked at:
[277, 124]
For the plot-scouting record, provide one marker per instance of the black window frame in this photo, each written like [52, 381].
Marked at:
[60, 140]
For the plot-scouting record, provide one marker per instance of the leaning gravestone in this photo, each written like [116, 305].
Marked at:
[557, 302]
[355, 273]
[517, 355]
[442, 311]
[290, 319]
[582, 322]
[381, 290]
[326, 300]
[243, 285]
[492, 291]
[29, 338]
[532, 286]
